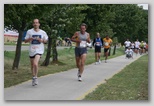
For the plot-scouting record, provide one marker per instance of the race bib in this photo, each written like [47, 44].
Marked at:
[106, 44]
[35, 41]
[98, 44]
[83, 44]
[34, 48]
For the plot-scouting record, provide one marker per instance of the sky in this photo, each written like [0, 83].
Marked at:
[145, 6]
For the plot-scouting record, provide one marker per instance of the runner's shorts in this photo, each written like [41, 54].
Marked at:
[97, 49]
[80, 51]
[35, 55]
[106, 50]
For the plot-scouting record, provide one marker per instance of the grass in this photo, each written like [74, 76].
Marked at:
[14, 43]
[66, 59]
[130, 84]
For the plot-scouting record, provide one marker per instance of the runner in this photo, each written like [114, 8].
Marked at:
[141, 47]
[37, 38]
[81, 38]
[147, 47]
[97, 43]
[137, 46]
[133, 46]
[144, 43]
[107, 43]
[127, 44]
[129, 53]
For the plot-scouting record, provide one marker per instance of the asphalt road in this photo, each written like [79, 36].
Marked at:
[64, 85]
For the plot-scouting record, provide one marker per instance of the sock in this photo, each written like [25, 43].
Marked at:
[79, 75]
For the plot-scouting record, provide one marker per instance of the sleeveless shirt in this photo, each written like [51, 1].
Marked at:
[83, 38]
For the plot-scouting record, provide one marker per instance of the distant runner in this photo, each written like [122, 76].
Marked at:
[107, 43]
[127, 44]
[97, 43]
[137, 46]
[129, 53]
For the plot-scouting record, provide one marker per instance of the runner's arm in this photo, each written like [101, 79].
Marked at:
[75, 37]
[110, 42]
[93, 41]
[88, 38]
[28, 38]
[102, 42]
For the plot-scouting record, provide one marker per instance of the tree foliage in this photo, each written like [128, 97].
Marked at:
[120, 21]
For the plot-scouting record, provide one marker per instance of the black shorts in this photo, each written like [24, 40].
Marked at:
[126, 48]
[80, 51]
[97, 49]
[136, 48]
[132, 48]
[106, 50]
[34, 55]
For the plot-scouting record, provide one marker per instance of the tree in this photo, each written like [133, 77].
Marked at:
[19, 16]
[115, 41]
[12, 16]
[128, 20]
[99, 18]
[60, 16]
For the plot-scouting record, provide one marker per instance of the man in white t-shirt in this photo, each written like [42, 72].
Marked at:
[137, 46]
[36, 37]
[127, 44]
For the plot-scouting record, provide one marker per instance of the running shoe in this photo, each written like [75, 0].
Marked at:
[96, 63]
[79, 78]
[99, 61]
[36, 81]
[33, 81]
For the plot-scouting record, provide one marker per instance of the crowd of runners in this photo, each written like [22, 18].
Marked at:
[37, 37]
[137, 47]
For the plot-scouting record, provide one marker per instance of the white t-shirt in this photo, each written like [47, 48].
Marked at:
[127, 43]
[129, 51]
[132, 45]
[137, 44]
[36, 47]
[144, 44]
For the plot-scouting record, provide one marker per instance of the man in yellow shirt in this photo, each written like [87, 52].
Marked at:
[107, 43]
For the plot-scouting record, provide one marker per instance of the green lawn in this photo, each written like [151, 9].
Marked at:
[15, 43]
[130, 84]
[66, 61]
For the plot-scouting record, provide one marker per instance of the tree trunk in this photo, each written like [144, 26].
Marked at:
[18, 51]
[114, 50]
[48, 55]
[54, 51]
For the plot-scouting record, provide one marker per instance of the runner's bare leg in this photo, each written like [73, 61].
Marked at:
[35, 64]
[83, 58]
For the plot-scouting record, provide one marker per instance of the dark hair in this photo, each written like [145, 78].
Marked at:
[83, 24]
[107, 35]
[36, 19]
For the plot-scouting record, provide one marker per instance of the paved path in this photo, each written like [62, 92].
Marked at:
[64, 85]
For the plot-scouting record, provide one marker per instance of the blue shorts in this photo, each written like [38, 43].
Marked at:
[80, 51]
